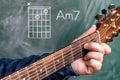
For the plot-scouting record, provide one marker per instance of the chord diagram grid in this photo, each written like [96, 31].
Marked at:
[39, 22]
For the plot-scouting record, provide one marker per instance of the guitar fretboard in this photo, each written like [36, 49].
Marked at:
[54, 62]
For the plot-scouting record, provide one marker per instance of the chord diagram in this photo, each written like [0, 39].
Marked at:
[39, 22]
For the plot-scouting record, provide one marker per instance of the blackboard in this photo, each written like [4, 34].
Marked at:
[14, 41]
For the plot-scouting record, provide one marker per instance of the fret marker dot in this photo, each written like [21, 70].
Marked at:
[118, 14]
[41, 70]
[23, 79]
[119, 28]
[114, 26]
[58, 61]
[106, 25]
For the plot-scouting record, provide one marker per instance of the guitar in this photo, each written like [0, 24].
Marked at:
[108, 28]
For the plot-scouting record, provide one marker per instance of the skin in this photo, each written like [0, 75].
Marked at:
[92, 62]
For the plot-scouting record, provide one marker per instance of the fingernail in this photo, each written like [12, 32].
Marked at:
[90, 69]
[86, 45]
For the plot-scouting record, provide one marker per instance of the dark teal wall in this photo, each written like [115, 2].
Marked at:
[13, 31]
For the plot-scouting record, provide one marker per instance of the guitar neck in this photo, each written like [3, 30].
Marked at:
[54, 62]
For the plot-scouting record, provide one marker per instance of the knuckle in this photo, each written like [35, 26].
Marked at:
[96, 65]
[100, 57]
[107, 49]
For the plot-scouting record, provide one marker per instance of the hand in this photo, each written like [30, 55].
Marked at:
[92, 62]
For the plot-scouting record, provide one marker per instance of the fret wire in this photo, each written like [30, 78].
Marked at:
[27, 71]
[36, 68]
[80, 47]
[10, 77]
[18, 74]
[63, 62]
[45, 66]
[77, 55]
[54, 62]
[71, 53]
